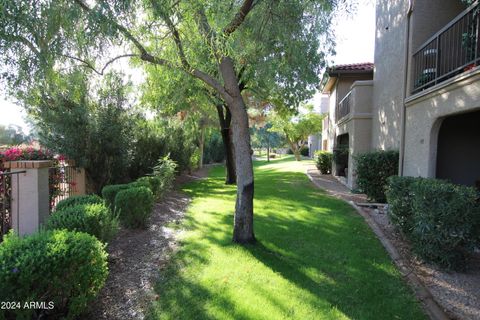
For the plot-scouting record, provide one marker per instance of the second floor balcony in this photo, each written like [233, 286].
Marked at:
[357, 102]
[454, 49]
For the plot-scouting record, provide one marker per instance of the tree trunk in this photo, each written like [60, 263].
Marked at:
[243, 220]
[268, 150]
[226, 131]
[295, 148]
[201, 146]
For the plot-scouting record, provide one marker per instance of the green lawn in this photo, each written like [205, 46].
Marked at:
[315, 257]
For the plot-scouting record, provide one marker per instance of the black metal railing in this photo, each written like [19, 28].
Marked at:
[343, 107]
[6, 177]
[451, 51]
[62, 183]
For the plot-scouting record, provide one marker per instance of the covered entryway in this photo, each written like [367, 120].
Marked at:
[340, 155]
[458, 153]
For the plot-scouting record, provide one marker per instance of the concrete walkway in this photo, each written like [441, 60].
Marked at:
[333, 186]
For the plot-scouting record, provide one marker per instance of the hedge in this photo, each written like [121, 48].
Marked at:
[441, 219]
[373, 169]
[110, 192]
[95, 219]
[63, 267]
[134, 206]
[323, 161]
[76, 200]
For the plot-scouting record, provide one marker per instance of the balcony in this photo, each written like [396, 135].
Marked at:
[343, 107]
[452, 50]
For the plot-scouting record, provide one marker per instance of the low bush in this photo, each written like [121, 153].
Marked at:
[154, 183]
[110, 192]
[441, 219]
[373, 169]
[323, 161]
[62, 267]
[304, 151]
[134, 206]
[399, 194]
[76, 200]
[446, 222]
[95, 219]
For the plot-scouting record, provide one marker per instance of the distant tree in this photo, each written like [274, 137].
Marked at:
[12, 135]
[297, 129]
[263, 137]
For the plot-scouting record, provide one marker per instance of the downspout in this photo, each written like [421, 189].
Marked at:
[405, 89]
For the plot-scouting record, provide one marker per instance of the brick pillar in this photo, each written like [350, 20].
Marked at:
[30, 203]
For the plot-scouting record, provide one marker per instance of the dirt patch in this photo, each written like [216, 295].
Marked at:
[137, 256]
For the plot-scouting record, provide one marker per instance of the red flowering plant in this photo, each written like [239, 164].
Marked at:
[56, 172]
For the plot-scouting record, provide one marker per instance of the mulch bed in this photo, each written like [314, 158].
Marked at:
[137, 256]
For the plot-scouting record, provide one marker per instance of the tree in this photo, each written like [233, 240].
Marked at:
[217, 31]
[297, 129]
[12, 135]
[263, 137]
[88, 123]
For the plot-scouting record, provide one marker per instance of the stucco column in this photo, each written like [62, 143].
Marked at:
[30, 203]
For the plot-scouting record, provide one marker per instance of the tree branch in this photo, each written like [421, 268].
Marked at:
[87, 64]
[239, 17]
[146, 56]
[22, 40]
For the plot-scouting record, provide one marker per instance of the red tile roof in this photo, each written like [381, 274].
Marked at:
[365, 66]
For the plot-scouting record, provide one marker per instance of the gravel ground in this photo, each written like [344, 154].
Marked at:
[457, 292]
[136, 257]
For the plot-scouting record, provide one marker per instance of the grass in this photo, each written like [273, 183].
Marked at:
[315, 257]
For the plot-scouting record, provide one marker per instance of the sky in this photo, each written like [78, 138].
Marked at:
[355, 36]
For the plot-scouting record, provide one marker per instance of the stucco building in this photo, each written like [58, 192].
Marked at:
[424, 96]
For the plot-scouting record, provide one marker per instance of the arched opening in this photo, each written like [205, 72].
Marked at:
[340, 155]
[458, 152]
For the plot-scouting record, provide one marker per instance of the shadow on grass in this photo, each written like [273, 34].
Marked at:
[315, 258]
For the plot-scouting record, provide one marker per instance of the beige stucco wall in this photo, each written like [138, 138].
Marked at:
[424, 117]
[358, 125]
[389, 75]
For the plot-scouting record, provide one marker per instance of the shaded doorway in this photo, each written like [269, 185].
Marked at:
[458, 152]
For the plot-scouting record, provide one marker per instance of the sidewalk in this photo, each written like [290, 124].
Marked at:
[333, 186]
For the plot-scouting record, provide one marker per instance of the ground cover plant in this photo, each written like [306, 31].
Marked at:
[315, 258]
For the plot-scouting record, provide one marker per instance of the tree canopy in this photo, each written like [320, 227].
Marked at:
[297, 128]
[275, 48]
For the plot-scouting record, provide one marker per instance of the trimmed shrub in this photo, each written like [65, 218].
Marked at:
[134, 206]
[400, 195]
[94, 219]
[63, 267]
[140, 183]
[76, 200]
[324, 161]
[304, 151]
[373, 169]
[110, 192]
[446, 222]
[153, 183]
